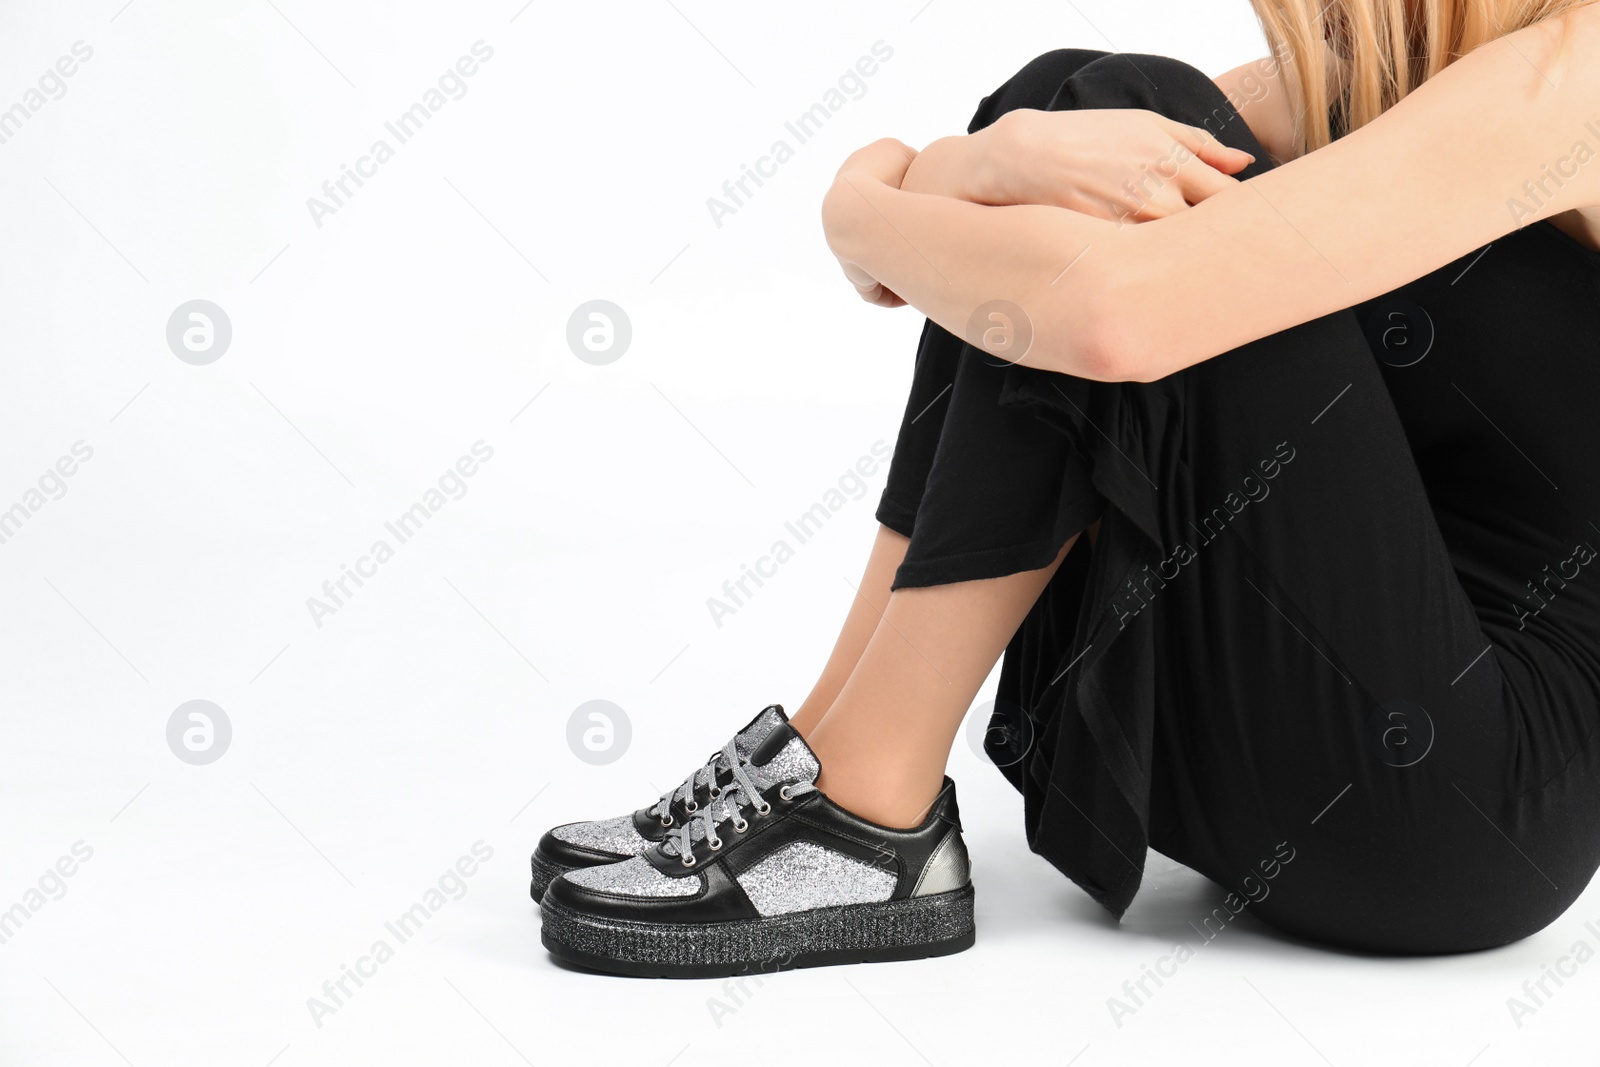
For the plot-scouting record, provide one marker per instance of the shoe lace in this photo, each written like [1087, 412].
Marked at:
[662, 809]
[727, 800]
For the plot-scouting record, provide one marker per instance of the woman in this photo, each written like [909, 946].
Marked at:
[1252, 422]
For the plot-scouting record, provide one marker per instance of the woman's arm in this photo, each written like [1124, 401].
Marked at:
[1258, 93]
[1504, 137]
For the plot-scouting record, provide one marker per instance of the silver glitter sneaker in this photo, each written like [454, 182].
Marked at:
[588, 844]
[770, 875]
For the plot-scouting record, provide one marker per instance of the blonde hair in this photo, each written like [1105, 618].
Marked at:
[1346, 62]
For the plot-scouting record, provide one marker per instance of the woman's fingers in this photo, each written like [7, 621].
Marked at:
[871, 290]
[1210, 150]
[1167, 200]
[1225, 159]
[1200, 182]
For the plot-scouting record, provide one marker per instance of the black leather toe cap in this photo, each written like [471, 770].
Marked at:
[717, 898]
[566, 854]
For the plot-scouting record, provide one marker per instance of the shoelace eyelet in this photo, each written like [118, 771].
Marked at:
[689, 861]
[785, 794]
[714, 845]
[764, 808]
[666, 820]
[716, 792]
[740, 826]
[691, 807]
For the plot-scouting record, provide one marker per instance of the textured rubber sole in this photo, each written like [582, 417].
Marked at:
[911, 929]
[545, 872]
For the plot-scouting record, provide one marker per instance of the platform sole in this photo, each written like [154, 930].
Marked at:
[911, 929]
[545, 872]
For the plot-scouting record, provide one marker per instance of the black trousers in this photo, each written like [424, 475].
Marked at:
[1266, 667]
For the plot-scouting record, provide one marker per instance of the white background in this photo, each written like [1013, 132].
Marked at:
[370, 752]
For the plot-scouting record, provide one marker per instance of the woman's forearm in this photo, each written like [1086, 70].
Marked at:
[957, 167]
[948, 258]
[1404, 195]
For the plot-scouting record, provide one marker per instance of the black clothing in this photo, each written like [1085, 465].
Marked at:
[1337, 645]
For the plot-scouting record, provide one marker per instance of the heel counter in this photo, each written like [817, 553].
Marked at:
[948, 868]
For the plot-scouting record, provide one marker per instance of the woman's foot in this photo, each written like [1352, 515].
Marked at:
[586, 844]
[770, 875]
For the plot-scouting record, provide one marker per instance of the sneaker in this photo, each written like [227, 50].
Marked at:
[770, 875]
[587, 844]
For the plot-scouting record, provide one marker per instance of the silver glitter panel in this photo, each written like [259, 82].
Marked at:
[634, 878]
[616, 836]
[793, 763]
[803, 875]
[768, 943]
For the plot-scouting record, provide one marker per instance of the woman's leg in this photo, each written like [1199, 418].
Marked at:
[888, 549]
[907, 665]
[884, 741]
[939, 355]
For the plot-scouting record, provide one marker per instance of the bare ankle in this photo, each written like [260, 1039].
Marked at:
[900, 807]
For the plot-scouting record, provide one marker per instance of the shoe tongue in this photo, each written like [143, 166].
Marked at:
[783, 758]
[749, 739]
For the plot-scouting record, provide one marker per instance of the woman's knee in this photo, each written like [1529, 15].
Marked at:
[1072, 79]
[1034, 86]
[1160, 84]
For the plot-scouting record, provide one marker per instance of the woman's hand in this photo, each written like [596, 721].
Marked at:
[1121, 165]
[1118, 164]
[885, 161]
